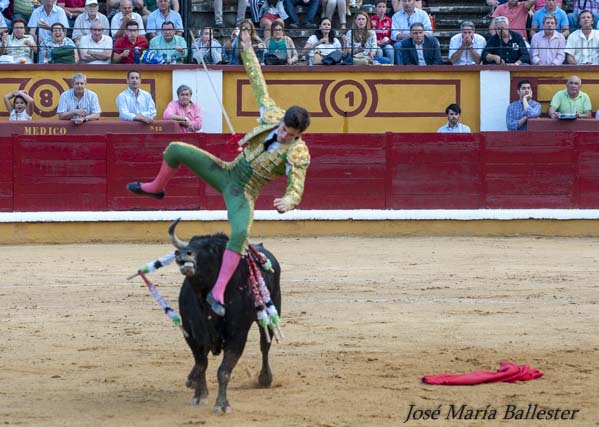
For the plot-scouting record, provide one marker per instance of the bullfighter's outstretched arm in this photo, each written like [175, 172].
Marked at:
[254, 73]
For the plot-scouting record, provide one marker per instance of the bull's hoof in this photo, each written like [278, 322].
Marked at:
[223, 409]
[135, 188]
[265, 379]
[202, 401]
[216, 306]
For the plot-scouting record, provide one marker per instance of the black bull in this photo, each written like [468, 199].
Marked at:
[199, 260]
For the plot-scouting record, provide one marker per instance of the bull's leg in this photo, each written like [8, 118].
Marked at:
[230, 359]
[265, 377]
[197, 378]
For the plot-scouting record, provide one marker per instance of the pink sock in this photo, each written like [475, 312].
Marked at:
[227, 268]
[163, 177]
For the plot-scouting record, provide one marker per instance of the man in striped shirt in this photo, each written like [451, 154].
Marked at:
[79, 104]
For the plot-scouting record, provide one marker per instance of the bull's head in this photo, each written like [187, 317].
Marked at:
[185, 256]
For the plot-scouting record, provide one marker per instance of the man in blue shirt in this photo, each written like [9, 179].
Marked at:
[525, 108]
[453, 125]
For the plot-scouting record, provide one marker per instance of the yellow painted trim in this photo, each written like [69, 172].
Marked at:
[156, 231]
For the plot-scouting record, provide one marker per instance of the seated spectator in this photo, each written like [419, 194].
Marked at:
[381, 24]
[271, 11]
[360, 41]
[169, 45]
[420, 49]
[309, 15]
[59, 49]
[232, 46]
[550, 8]
[453, 125]
[184, 111]
[329, 6]
[466, 48]
[24, 8]
[79, 104]
[218, 13]
[120, 20]
[548, 46]
[525, 108]
[96, 47]
[84, 22]
[72, 8]
[163, 14]
[582, 46]
[517, 14]
[3, 24]
[577, 7]
[19, 45]
[501, 49]
[571, 100]
[402, 20]
[134, 103]
[124, 47]
[208, 48]
[21, 107]
[280, 45]
[321, 43]
[43, 17]
[397, 5]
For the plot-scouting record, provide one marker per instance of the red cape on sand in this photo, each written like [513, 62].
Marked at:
[508, 372]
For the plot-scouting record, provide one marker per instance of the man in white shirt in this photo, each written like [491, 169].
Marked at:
[134, 103]
[582, 46]
[119, 21]
[465, 48]
[43, 17]
[96, 47]
[453, 125]
[84, 22]
[79, 104]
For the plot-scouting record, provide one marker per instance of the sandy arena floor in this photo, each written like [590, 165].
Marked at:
[364, 318]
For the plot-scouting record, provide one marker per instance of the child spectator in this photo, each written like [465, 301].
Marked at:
[381, 24]
[21, 107]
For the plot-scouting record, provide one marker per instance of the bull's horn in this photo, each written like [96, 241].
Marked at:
[179, 244]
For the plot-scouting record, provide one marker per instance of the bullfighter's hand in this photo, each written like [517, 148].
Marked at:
[282, 206]
[245, 39]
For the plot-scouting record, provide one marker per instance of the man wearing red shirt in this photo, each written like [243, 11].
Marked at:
[124, 46]
[381, 24]
[517, 13]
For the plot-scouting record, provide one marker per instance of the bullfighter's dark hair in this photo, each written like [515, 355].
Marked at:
[297, 118]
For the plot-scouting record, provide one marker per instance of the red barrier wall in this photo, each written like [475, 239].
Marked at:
[348, 171]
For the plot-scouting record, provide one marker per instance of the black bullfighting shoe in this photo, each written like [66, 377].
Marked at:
[216, 306]
[135, 187]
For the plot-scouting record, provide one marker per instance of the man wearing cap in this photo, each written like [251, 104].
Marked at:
[84, 22]
[96, 47]
[43, 17]
[19, 45]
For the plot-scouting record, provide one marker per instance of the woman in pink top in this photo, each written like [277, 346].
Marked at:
[184, 111]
